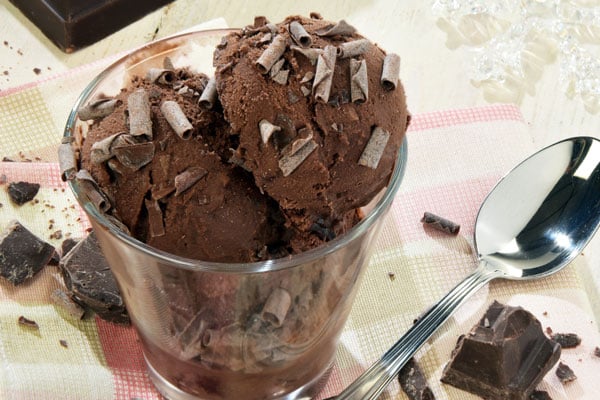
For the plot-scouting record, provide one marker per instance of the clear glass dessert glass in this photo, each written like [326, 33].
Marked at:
[263, 330]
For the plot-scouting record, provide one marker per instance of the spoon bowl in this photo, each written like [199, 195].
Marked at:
[535, 221]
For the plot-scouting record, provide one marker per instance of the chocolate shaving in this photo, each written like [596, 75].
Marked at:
[267, 129]
[208, 98]
[188, 178]
[307, 77]
[353, 48]
[101, 150]
[22, 192]
[271, 54]
[98, 108]
[374, 149]
[439, 223]
[140, 114]
[276, 307]
[390, 74]
[305, 91]
[91, 189]
[281, 77]
[567, 340]
[294, 147]
[63, 300]
[22, 254]
[176, 119]
[299, 34]
[359, 81]
[324, 74]
[311, 53]
[158, 194]
[414, 383]
[289, 162]
[341, 28]
[28, 322]
[134, 156]
[266, 38]
[168, 63]
[565, 373]
[156, 224]
[162, 76]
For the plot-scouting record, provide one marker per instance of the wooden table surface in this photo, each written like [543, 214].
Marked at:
[435, 76]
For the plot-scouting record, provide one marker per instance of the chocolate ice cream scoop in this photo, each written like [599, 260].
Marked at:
[319, 111]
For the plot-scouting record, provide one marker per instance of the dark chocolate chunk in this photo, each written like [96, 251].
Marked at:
[28, 322]
[440, 224]
[540, 395]
[567, 340]
[22, 254]
[75, 24]
[68, 244]
[413, 382]
[503, 357]
[22, 192]
[63, 343]
[565, 373]
[91, 282]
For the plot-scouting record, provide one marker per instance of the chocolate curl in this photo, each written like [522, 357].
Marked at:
[353, 48]
[341, 28]
[292, 159]
[188, 178]
[98, 108]
[101, 150]
[177, 119]
[160, 75]
[140, 114]
[324, 74]
[374, 149]
[390, 72]
[299, 34]
[67, 161]
[271, 54]
[134, 156]
[359, 81]
[441, 224]
[311, 53]
[91, 189]
[156, 225]
[267, 129]
[276, 307]
[208, 98]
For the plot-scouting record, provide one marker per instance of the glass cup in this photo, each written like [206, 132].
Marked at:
[262, 330]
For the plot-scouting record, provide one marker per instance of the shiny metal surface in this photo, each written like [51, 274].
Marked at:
[533, 223]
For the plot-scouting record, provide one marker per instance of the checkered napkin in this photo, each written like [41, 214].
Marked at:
[455, 157]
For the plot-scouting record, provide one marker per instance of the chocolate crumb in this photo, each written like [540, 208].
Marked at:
[565, 373]
[28, 322]
[392, 276]
[22, 192]
[413, 382]
[63, 343]
[440, 224]
[540, 395]
[549, 331]
[37, 71]
[56, 234]
[567, 340]
[597, 351]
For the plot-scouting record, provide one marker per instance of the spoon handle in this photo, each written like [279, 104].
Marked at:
[374, 380]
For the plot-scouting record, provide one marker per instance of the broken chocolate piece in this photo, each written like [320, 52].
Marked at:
[134, 156]
[63, 300]
[22, 192]
[267, 129]
[176, 119]
[567, 340]
[88, 277]
[188, 178]
[353, 48]
[540, 395]
[441, 224]
[374, 149]
[28, 322]
[390, 73]
[341, 28]
[208, 98]
[299, 34]
[324, 74]
[22, 254]
[565, 373]
[412, 380]
[68, 244]
[359, 81]
[505, 359]
[67, 161]
[271, 54]
[98, 108]
[140, 114]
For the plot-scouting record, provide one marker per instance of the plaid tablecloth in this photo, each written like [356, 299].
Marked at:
[455, 157]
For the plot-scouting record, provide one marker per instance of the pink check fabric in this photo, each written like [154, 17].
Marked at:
[454, 158]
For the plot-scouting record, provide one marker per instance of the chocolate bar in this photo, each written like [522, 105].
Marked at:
[503, 357]
[75, 24]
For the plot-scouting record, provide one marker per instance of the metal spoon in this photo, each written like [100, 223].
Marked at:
[534, 222]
